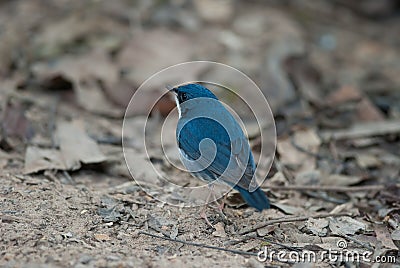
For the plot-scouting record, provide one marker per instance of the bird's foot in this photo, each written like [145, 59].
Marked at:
[204, 216]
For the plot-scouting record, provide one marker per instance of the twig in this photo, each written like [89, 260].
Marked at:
[363, 130]
[157, 229]
[234, 251]
[330, 188]
[291, 219]
[68, 177]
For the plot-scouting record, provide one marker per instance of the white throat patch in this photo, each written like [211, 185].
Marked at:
[178, 106]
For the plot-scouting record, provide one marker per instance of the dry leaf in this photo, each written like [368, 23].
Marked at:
[53, 39]
[290, 155]
[219, 230]
[88, 74]
[317, 226]
[366, 111]
[38, 159]
[102, 237]
[76, 146]
[367, 160]
[346, 226]
[396, 235]
[343, 94]
[215, 11]
[383, 235]
[141, 168]
[14, 121]
[266, 230]
[168, 47]
[291, 210]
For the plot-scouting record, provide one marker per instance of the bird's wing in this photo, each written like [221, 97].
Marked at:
[233, 162]
[241, 152]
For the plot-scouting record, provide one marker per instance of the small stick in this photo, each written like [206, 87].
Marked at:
[330, 188]
[362, 130]
[291, 219]
[234, 251]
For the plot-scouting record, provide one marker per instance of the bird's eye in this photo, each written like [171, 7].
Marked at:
[183, 96]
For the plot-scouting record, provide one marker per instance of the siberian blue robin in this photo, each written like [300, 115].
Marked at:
[212, 144]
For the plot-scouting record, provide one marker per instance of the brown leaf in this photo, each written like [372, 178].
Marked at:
[88, 74]
[14, 121]
[150, 51]
[288, 209]
[38, 159]
[346, 225]
[366, 111]
[76, 146]
[59, 34]
[215, 11]
[317, 226]
[290, 155]
[344, 94]
[383, 235]
[219, 230]
[102, 237]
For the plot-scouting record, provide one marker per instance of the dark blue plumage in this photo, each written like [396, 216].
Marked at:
[213, 145]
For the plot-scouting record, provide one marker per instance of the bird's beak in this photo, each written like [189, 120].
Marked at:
[170, 88]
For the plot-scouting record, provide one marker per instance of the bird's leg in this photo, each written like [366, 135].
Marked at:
[222, 204]
[203, 211]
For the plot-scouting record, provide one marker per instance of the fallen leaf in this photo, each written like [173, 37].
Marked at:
[102, 237]
[265, 230]
[76, 146]
[367, 160]
[219, 230]
[344, 94]
[383, 235]
[141, 168]
[88, 74]
[290, 155]
[38, 159]
[14, 121]
[215, 11]
[287, 42]
[288, 209]
[58, 35]
[317, 226]
[346, 225]
[168, 47]
[396, 235]
[366, 111]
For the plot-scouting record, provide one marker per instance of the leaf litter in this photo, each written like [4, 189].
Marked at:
[335, 175]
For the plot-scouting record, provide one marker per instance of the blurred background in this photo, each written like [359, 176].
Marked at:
[330, 71]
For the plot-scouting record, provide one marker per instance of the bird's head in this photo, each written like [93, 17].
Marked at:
[191, 91]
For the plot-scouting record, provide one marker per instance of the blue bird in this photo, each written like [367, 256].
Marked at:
[212, 144]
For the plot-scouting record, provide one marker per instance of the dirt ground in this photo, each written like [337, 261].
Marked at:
[329, 69]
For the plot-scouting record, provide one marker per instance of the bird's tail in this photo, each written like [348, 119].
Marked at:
[256, 199]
